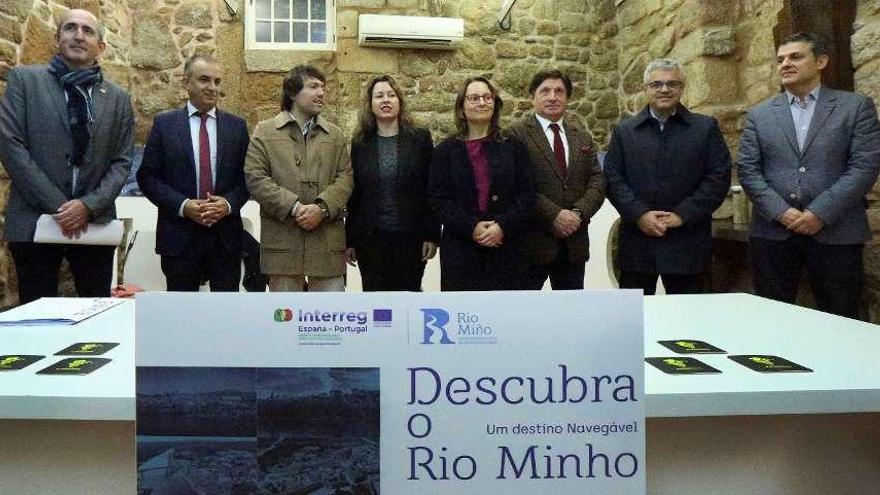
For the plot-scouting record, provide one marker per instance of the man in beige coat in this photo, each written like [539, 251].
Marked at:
[298, 169]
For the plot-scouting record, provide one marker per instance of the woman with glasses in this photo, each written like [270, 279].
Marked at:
[481, 191]
[391, 233]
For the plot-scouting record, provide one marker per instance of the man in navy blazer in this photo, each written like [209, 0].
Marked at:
[193, 171]
[806, 160]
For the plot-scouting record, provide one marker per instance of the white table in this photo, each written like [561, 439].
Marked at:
[69, 434]
[105, 394]
[740, 432]
[743, 432]
[842, 352]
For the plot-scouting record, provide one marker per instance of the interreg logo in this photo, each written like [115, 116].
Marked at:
[282, 315]
[435, 321]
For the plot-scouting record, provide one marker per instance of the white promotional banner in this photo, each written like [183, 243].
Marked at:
[395, 393]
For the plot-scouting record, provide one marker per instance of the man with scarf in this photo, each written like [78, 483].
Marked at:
[66, 143]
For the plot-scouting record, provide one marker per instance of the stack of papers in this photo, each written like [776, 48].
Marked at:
[58, 310]
[108, 234]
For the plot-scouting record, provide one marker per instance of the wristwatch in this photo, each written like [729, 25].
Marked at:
[325, 210]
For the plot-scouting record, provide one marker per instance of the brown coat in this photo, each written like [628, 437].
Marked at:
[583, 188]
[282, 168]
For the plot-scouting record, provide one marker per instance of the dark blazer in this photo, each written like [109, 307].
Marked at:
[35, 144]
[167, 176]
[582, 188]
[414, 150]
[838, 166]
[452, 194]
[686, 170]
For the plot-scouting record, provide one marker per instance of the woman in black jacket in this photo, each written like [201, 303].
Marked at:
[391, 233]
[482, 192]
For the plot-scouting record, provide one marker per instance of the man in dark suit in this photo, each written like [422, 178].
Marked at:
[193, 171]
[66, 143]
[568, 181]
[806, 160]
[667, 169]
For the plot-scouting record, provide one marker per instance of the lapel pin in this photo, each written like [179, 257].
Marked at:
[103, 91]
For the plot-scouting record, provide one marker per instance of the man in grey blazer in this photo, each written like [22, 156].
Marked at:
[568, 181]
[66, 143]
[806, 160]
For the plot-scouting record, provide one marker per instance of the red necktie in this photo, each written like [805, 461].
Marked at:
[558, 150]
[206, 184]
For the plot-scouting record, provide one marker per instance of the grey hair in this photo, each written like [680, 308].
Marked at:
[663, 64]
[188, 64]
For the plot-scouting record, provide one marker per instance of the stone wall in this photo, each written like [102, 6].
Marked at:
[727, 48]
[149, 40]
[574, 35]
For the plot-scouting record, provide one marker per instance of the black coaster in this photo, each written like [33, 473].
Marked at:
[679, 365]
[12, 362]
[87, 349]
[74, 366]
[685, 346]
[769, 364]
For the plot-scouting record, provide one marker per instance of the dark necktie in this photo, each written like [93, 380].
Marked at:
[205, 179]
[558, 150]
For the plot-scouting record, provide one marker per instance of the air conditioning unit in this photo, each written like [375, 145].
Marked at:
[401, 31]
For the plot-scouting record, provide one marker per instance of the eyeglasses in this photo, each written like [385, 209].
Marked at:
[473, 99]
[672, 85]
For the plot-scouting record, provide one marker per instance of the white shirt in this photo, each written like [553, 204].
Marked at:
[661, 120]
[548, 132]
[195, 125]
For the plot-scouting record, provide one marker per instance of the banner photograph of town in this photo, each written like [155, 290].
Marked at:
[263, 431]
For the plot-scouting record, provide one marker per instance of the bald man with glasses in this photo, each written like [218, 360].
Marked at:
[667, 170]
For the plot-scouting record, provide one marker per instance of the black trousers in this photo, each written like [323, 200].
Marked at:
[564, 275]
[204, 258]
[691, 283]
[835, 272]
[484, 269]
[37, 266]
[390, 261]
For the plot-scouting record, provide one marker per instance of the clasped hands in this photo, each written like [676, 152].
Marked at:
[488, 233]
[206, 212]
[801, 222]
[308, 216]
[566, 223]
[654, 223]
[73, 218]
